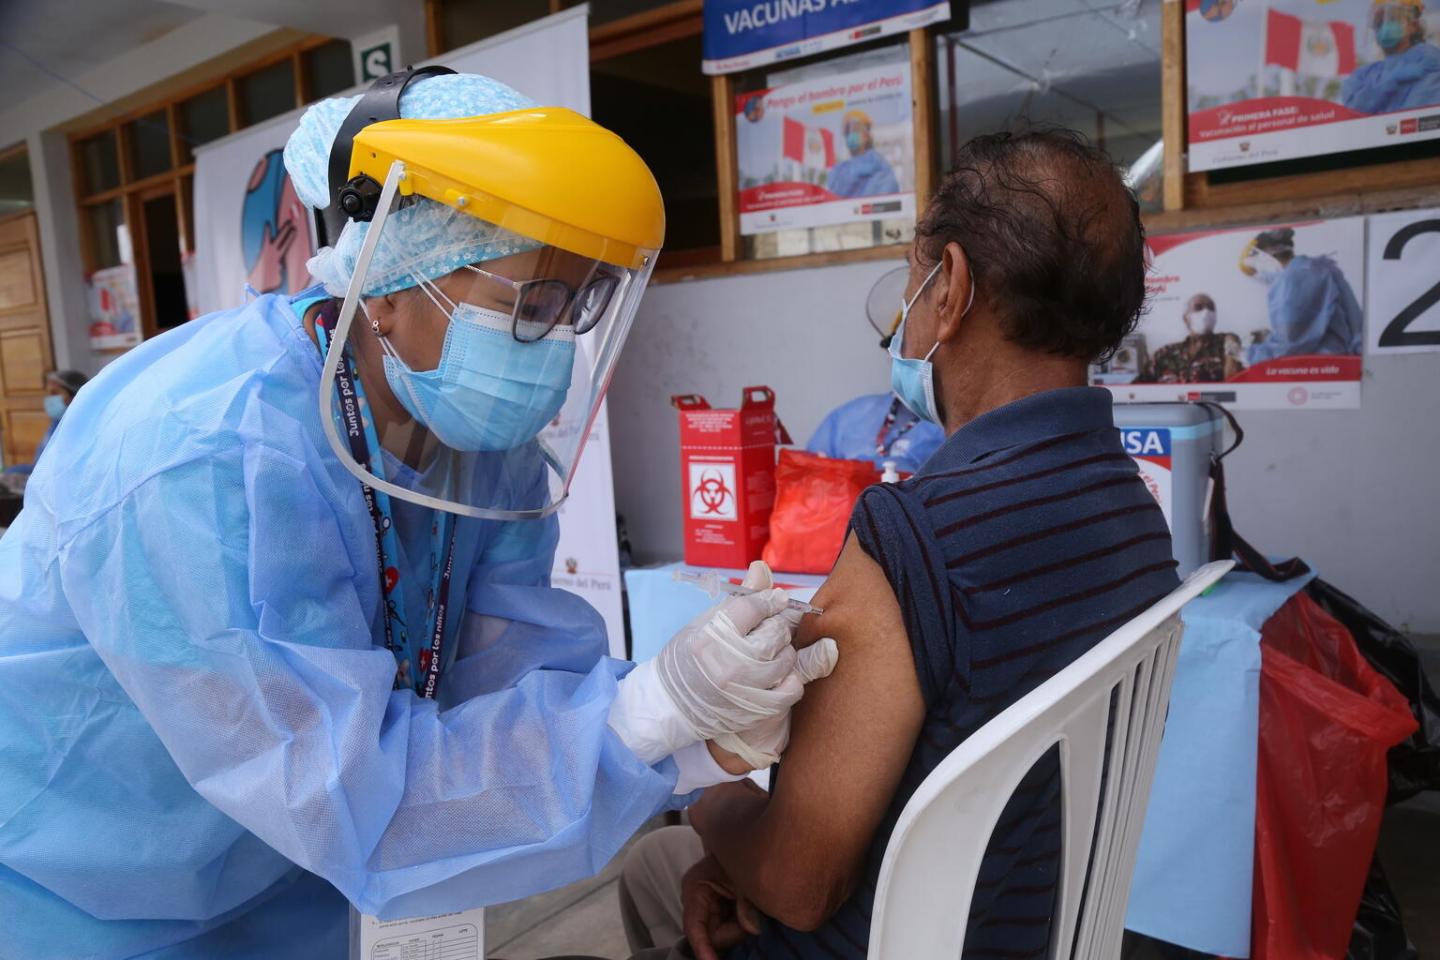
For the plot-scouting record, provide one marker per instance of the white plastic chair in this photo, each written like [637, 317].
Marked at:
[927, 879]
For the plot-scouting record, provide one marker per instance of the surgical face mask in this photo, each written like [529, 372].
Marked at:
[489, 391]
[1201, 321]
[1266, 267]
[855, 140]
[913, 381]
[1390, 34]
[54, 406]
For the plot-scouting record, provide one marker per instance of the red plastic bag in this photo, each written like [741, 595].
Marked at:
[814, 497]
[1327, 719]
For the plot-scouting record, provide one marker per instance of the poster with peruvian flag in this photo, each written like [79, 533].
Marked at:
[828, 150]
[1274, 80]
[1263, 317]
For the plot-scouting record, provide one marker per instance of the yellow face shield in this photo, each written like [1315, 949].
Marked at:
[490, 298]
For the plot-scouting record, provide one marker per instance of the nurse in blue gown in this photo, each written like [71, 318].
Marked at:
[1408, 75]
[208, 748]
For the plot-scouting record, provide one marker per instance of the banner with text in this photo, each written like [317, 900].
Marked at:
[1295, 78]
[744, 34]
[1258, 317]
[835, 149]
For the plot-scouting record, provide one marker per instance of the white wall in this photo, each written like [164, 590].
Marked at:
[1354, 492]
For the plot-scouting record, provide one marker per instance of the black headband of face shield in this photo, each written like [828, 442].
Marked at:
[355, 199]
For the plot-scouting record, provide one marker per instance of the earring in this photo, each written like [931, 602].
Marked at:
[375, 326]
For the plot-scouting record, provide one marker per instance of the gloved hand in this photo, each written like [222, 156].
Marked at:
[763, 743]
[729, 669]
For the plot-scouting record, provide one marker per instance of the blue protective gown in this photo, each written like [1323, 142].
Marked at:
[849, 432]
[202, 749]
[864, 175]
[1405, 81]
[1312, 310]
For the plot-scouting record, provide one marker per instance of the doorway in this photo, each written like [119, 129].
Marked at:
[25, 354]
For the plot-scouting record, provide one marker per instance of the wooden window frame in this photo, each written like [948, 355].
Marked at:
[131, 192]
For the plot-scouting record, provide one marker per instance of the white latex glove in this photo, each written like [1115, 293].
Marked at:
[763, 743]
[729, 669]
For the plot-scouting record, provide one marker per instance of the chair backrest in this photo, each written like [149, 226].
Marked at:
[1121, 687]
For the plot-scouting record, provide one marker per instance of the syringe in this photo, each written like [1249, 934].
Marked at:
[714, 584]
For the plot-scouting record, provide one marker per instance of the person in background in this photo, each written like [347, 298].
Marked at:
[1204, 356]
[879, 428]
[1025, 540]
[60, 388]
[1408, 76]
[1313, 309]
[866, 173]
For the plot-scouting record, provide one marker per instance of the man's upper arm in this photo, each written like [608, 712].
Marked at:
[851, 737]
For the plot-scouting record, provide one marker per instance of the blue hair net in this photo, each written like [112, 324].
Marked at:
[425, 239]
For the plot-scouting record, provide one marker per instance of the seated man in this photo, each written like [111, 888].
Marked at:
[1026, 539]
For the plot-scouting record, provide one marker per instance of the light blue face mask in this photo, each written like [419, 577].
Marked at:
[54, 406]
[489, 391]
[913, 381]
[855, 141]
[1390, 34]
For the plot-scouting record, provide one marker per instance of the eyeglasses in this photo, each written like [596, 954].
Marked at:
[541, 305]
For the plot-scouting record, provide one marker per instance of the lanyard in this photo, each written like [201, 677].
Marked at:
[420, 650]
[881, 447]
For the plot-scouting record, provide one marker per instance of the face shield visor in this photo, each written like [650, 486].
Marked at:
[468, 361]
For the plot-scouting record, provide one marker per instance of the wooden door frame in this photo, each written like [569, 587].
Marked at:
[30, 237]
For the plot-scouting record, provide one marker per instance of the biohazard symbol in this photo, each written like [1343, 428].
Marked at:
[713, 495]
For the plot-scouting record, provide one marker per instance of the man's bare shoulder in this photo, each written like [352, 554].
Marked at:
[859, 604]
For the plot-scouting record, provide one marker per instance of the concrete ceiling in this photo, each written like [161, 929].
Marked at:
[45, 43]
[42, 39]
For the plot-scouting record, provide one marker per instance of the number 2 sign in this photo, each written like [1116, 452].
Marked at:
[1402, 310]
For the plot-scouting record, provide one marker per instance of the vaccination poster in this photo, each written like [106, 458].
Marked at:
[114, 308]
[834, 149]
[1274, 80]
[1263, 317]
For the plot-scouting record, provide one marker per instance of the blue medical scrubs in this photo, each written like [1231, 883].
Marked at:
[1405, 81]
[203, 753]
[865, 175]
[1312, 310]
[850, 431]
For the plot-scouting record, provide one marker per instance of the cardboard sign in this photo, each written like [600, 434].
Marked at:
[1403, 283]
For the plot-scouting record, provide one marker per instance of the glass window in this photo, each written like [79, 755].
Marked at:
[187, 198]
[328, 69]
[628, 93]
[204, 117]
[162, 248]
[99, 163]
[16, 191]
[109, 237]
[822, 155]
[267, 92]
[1095, 70]
[149, 141]
[463, 22]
